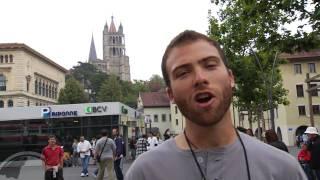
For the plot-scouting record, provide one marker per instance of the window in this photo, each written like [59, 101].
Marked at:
[297, 69]
[312, 67]
[40, 88]
[43, 89]
[163, 118]
[315, 109]
[170, 117]
[1, 104]
[6, 58]
[28, 103]
[299, 90]
[36, 86]
[11, 58]
[315, 92]
[55, 92]
[176, 109]
[155, 118]
[177, 122]
[1, 59]
[10, 103]
[50, 91]
[302, 110]
[47, 90]
[3, 86]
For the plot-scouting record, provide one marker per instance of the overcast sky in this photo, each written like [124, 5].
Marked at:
[61, 29]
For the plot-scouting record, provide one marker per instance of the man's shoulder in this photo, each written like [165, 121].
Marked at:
[262, 152]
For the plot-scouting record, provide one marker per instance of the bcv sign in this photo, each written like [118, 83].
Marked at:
[95, 109]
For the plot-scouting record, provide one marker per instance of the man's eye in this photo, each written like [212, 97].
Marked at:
[181, 74]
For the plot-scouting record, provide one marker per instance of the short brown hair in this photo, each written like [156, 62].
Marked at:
[271, 136]
[186, 37]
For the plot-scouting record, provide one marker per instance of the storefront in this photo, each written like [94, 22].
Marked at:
[27, 128]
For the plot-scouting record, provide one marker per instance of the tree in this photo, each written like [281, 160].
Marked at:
[110, 90]
[253, 33]
[72, 93]
[156, 83]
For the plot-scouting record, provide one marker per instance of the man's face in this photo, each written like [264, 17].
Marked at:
[81, 139]
[52, 141]
[200, 84]
[114, 132]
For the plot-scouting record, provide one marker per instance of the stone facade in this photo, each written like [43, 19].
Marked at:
[115, 61]
[27, 78]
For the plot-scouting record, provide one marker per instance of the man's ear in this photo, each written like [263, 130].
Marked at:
[231, 78]
[170, 94]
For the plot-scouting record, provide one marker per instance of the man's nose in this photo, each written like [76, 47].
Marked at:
[200, 78]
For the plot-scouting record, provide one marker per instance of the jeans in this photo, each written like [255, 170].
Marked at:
[117, 169]
[306, 168]
[49, 175]
[85, 163]
[102, 166]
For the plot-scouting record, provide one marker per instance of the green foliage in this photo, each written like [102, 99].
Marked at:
[253, 33]
[156, 83]
[72, 93]
[110, 90]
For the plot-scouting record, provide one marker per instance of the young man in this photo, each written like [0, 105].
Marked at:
[107, 149]
[142, 145]
[120, 153]
[52, 160]
[84, 147]
[198, 80]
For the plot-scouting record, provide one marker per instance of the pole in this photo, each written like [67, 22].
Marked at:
[310, 101]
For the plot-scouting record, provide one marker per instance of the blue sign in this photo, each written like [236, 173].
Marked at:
[48, 113]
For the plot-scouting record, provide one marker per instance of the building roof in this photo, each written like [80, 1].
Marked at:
[112, 26]
[155, 99]
[303, 55]
[21, 46]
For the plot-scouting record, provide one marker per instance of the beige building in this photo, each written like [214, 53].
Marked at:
[178, 122]
[156, 108]
[292, 120]
[28, 78]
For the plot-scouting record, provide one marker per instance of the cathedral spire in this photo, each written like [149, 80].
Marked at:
[92, 53]
[112, 26]
[120, 29]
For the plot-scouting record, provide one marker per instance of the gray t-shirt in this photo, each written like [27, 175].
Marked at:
[108, 150]
[167, 161]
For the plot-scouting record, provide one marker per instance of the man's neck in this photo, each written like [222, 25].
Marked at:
[201, 137]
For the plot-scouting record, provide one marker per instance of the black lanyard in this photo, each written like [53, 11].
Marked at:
[203, 177]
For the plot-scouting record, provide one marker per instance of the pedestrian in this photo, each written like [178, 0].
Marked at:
[104, 154]
[132, 146]
[152, 141]
[273, 140]
[120, 153]
[142, 145]
[84, 147]
[304, 157]
[52, 160]
[75, 154]
[199, 82]
[166, 134]
[314, 148]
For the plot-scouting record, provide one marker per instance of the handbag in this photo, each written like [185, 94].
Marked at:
[98, 158]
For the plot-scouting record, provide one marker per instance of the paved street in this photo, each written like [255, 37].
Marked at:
[70, 173]
[36, 173]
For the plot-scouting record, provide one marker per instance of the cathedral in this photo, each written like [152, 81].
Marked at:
[115, 61]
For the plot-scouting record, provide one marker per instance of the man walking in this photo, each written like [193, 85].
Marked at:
[105, 152]
[200, 83]
[142, 145]
[84, 147]
[52, 160]
[120, 153]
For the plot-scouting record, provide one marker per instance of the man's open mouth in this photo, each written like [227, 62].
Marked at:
[203, 97]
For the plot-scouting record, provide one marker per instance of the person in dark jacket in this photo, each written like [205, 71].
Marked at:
[314, 148]
[120, 153]
[272, 139]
